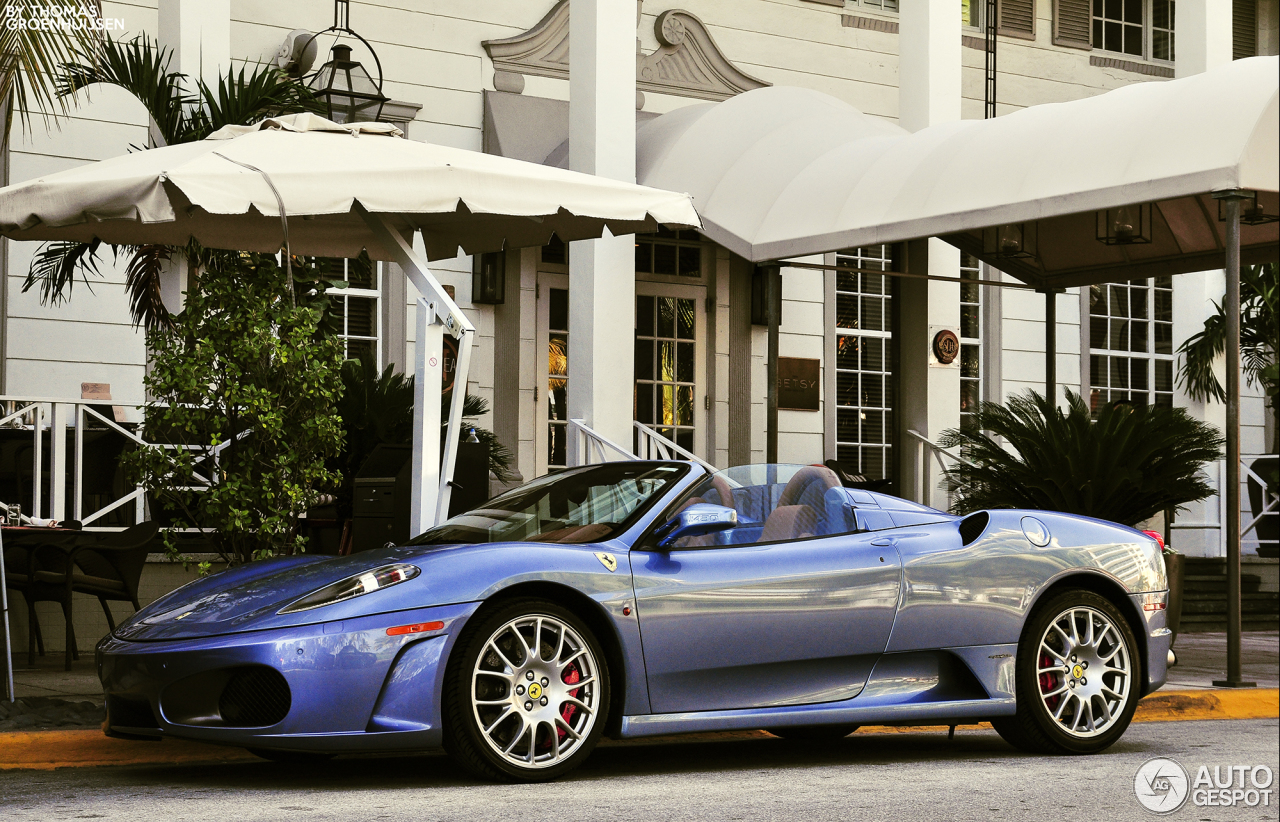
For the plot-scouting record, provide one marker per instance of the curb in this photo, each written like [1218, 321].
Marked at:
[48, 750]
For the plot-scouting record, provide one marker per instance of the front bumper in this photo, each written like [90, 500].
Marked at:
[334, 686]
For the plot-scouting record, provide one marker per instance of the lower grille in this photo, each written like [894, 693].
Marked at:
[130, 713]
[254, 698]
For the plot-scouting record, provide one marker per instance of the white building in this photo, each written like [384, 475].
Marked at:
[493, 75]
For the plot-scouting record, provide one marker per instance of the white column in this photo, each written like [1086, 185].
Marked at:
[602, 141]
[929, 63]
[198, 32]
[1203, 39]
[928, 94]
[198, 35]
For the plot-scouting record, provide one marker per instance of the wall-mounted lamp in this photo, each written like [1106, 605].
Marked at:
[766, 296]
[489, 278]
[1010, 240]
[1125, 225]
[1251, 211]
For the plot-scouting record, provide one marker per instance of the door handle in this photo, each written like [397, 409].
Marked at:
[883, 542]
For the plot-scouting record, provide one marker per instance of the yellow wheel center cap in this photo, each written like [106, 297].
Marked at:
[535, 691]
[1076, 672]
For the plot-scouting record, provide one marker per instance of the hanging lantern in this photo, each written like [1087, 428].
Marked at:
[1010, 240]
[1251, 211]
[1125, 225]
[345, 87]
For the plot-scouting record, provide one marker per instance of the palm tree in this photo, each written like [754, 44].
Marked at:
[1128, 465]
[31, 57]
[1259, 340]
[176, 116]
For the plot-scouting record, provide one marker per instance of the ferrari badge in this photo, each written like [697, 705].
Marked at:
[607, 560]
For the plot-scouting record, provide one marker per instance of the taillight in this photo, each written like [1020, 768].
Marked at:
[1156, 536]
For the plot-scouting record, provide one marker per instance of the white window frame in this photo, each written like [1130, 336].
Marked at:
[889, 445]
[973, 272]
[366, 293]
[1150, 356]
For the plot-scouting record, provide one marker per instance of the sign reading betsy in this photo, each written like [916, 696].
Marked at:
[798, 384]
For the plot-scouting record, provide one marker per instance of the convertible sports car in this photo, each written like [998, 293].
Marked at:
[642, 598]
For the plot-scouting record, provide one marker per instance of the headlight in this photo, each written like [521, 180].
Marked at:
[352, 587]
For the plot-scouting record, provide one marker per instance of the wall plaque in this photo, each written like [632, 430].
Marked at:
[946, 346]
[798, 383]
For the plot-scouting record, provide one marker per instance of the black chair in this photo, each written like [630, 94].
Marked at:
[105, 565]
[20, 553]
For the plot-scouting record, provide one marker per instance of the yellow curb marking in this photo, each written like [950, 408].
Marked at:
[46, 750]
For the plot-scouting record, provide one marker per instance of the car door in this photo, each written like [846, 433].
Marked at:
[749, 626]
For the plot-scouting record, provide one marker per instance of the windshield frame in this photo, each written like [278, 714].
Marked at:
[547, 481]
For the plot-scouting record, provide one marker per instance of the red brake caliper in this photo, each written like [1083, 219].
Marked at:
[567, 712]
[1047, 682]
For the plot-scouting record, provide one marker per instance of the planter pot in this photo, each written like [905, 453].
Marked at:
[1174, 565]
[1268, 528]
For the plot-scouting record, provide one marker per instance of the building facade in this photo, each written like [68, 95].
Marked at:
[494, 76]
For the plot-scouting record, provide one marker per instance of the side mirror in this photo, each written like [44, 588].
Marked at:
[696, 520]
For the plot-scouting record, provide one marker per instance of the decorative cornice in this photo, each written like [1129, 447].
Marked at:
[687, 62]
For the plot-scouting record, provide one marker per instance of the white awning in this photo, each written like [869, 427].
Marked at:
[785, 172]
[212, 190]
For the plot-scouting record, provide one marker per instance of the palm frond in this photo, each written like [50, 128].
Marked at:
[242, 99]
[1259, 336]
[54, 269]
[31, 58]
[141, 68]
[142, 282]
[1127, 465]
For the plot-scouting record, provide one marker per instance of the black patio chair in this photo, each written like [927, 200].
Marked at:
[104, 565]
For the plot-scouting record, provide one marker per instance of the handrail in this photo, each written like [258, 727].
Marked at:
[585, 438]
[653, 441]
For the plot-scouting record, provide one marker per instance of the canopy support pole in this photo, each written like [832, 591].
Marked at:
[10, 693]
[1231, 205]
[437, 314]
[773, 307]
[1051, 345]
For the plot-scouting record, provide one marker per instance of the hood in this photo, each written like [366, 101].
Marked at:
[250, 596]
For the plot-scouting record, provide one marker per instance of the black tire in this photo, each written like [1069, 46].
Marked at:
[297, 757]
[814, 733]
[1034, 728]
[543, 750]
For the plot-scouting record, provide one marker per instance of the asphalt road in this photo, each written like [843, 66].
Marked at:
[916, 776]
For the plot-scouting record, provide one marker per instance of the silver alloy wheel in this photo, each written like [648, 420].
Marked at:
[1084, 671]
[534, 691]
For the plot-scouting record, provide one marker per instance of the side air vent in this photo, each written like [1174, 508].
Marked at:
[254, 697]
[972, 527]
[130, 713]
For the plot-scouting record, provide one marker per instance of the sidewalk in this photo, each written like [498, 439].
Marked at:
[1202, 658]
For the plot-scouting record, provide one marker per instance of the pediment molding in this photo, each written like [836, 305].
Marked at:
[687, 62]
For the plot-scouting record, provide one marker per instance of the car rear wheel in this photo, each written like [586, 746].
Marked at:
[1078, 673]
[527, 695]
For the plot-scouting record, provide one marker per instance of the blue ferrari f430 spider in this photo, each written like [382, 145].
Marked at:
[641, 598]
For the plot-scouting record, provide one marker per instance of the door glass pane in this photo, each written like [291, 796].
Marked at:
[864, 374]
[666, 365]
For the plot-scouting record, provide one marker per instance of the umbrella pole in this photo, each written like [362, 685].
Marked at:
[438, 314]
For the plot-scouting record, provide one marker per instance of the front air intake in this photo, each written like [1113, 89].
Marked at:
[971, 527]
[254, 697]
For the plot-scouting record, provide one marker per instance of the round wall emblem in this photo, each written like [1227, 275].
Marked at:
[946, 346]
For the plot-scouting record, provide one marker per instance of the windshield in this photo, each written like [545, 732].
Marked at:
[579, 505]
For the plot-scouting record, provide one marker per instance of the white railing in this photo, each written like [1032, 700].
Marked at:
[654, 446]
[46, 421]
[588, 447]
[925, 483]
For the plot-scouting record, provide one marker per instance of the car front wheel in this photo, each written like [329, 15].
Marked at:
[527, 698]
[1078, 674]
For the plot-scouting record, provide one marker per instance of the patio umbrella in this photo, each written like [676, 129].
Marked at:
[319, 188]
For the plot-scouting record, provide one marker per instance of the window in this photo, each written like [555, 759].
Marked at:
[1140, 28]
[358, 302]
[670, 253]
[970, 338]
[557, 377]
[665, 366]
[864, 363]
[1131, 343]
[879, 5]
